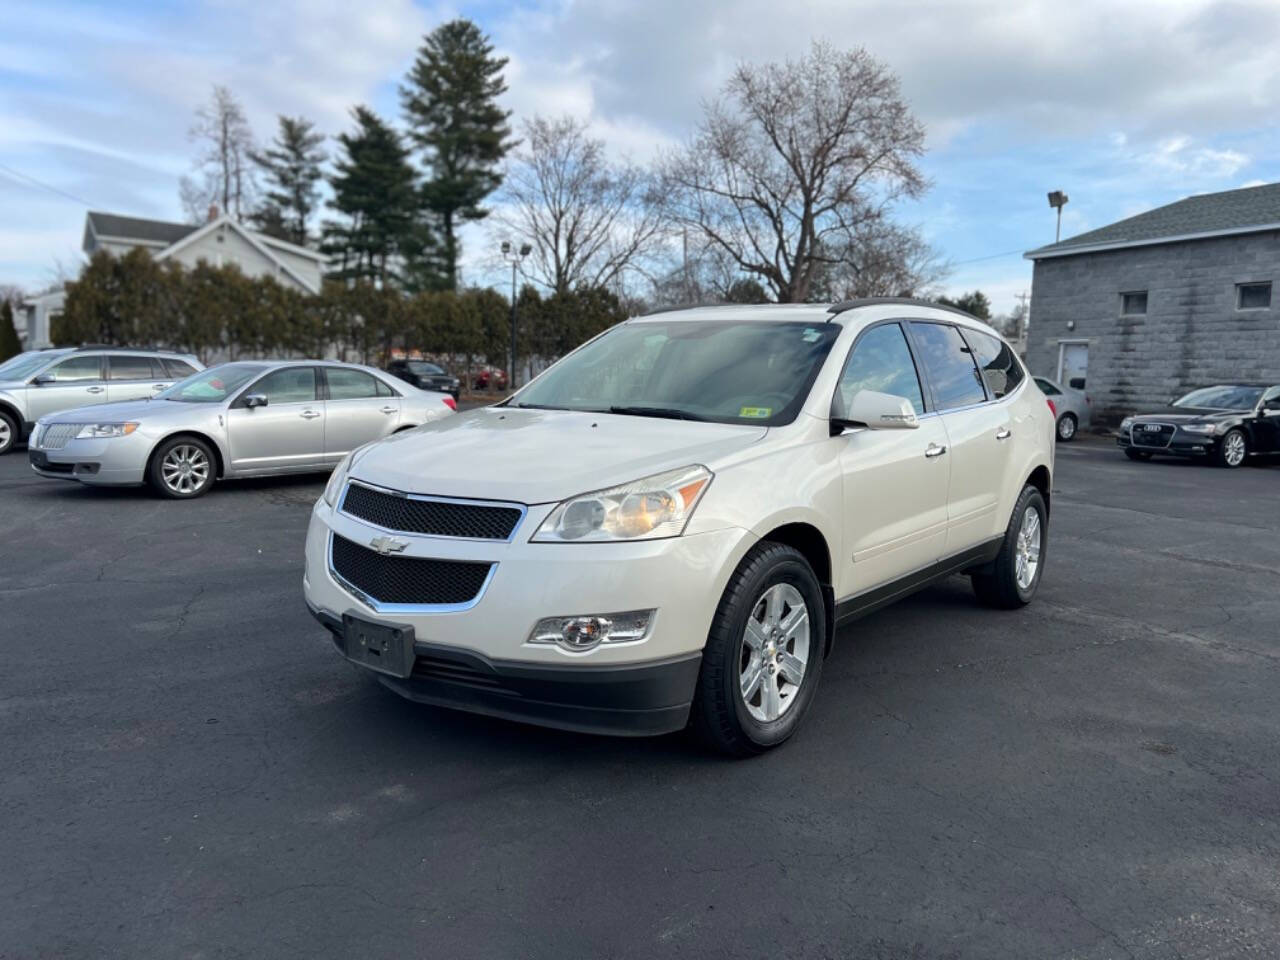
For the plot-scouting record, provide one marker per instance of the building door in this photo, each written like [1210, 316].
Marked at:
[1073, 364]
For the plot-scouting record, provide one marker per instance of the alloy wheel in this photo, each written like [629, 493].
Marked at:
[1066, 428]
[1233, 449]
[775, 652]
[185, 469]
[6, 435]
[1027, 556]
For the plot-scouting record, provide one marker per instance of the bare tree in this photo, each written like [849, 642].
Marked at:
[796, 160]
[224, 168]
[882, 260]
[587, 218]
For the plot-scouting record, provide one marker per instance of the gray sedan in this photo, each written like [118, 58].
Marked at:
[245, 419]
[1070, 406]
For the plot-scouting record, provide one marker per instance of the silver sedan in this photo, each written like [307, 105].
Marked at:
[244, 419]
[1070, 406]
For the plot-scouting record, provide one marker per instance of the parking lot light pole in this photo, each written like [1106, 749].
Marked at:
[514, 257]
[1058, 200]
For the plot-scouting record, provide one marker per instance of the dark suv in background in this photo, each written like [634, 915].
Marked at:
[425, 375]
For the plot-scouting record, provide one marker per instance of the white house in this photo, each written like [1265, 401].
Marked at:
[220, 241]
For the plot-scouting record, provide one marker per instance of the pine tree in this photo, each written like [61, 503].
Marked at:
[450, 104]
[375, 188]
[291, 166]
[10, 345]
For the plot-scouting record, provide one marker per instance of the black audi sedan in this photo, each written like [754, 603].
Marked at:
[425, 375]
[1226, 423]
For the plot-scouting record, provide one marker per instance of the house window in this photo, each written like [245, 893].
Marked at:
[1253, 296]
[1134, 303]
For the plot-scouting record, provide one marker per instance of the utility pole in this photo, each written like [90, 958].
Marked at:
[1023, 301]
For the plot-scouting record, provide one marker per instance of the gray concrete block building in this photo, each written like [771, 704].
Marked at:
[1151, 306]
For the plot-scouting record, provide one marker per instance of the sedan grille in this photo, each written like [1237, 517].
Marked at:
[1151, 434]
[473, 519]
[55, 436]
[417, 581]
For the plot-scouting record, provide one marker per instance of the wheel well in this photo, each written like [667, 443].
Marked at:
[407, 426]
[1040, 480]
[809, 540]
[17, 417]
[197, 435]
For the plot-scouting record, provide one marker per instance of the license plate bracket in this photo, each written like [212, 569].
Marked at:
[384, 647]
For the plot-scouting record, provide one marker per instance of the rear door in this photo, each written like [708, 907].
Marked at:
[355, 411]
[978, 428]
[77, 382]
[134, 377]
[285, 435]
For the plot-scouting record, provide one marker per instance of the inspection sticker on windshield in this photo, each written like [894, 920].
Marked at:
[756, 413]
[811, 335]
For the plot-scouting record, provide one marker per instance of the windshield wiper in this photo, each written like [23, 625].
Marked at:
[668, 413]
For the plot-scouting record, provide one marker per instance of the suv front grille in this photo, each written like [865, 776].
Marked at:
[415, 581]
[57, 435]
[473, 519]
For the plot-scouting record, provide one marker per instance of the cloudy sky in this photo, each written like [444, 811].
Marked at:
[1125, 104]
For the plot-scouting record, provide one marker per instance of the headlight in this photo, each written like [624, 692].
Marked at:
[1125, 424]
[102, 430]
[1200, 427]
[647, 509]
[336, 479]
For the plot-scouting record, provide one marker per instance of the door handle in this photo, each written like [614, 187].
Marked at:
[161, 386]
[1004, 433]
[388, 409]
[308, 414]
[935, 450]
[95, 389]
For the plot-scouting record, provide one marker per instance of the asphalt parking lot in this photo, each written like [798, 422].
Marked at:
[187, 769]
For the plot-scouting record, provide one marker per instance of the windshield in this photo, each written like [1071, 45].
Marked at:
[419, 366]
[25, 364]
[1222, 398]
[213, 385]
[724, 371]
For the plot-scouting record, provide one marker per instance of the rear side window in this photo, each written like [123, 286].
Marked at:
[290, 385]
[949, 364]
[78, 368]
[349, 384]
[881, 361]
[133, 368]
[1001, 371]
[1047, 388]
[178, 369]
[384, 390]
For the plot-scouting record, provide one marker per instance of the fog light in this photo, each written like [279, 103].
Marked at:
[588, 631]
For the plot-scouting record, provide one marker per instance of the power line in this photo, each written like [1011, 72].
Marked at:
[991, 256]
[47, 186]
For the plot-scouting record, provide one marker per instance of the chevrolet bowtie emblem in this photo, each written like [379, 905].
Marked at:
[388, 545]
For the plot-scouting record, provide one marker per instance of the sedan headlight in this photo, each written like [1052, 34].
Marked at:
[648, 509]
[336, 480]
[1125, 424]
[99, 431]
[1200, 427]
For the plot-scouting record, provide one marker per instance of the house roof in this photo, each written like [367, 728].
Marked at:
[253, 239]
[135, 228]
[1247, 210]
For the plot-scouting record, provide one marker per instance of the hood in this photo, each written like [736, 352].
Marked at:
[542, 456]
[1181, 414]
[126, 410]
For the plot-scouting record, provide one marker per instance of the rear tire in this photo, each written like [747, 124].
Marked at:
[1140, 455]
[8, 433]
[182, 468]
[1067, 427]
[763, 658]
[1011, 580]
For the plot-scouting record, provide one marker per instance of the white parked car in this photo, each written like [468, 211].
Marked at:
[667, 526]
[243, 419]
[1070, 407]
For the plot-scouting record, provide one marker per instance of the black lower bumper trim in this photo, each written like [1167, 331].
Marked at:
[631, 700]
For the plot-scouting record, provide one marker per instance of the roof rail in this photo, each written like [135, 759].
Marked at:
[695, 306]
[838, 308]
[122, 349]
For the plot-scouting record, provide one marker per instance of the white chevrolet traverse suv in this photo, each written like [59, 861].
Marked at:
[668, 525]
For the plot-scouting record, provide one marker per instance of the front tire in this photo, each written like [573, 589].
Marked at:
[1232, 450]
[764, 653]
[1067, 427]
[1014, 575]
[182, 468]
[8, 433]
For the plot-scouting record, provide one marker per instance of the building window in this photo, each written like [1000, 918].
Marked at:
[1133, 304]
[1253, 296]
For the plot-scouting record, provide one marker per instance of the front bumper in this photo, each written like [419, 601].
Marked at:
[642, 687]
[1183, 445]
[117, 461]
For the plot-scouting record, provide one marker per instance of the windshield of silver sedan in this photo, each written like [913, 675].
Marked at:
[1222, 397]
[749, 372]
[213, 385]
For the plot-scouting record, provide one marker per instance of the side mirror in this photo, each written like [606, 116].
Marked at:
[43, 379]
[252, 400]
[877, 411]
